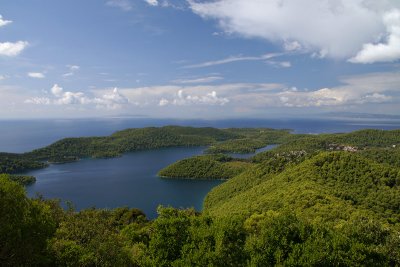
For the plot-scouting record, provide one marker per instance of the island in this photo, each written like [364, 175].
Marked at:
[129, 140]
[217, 166]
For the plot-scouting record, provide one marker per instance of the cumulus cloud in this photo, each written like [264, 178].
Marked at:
[181, 98]
[355, 90]
[254, 98]
[56, 90]
[70, 98]
[38, 101]
[125, 5]
[12, 49]
[372, 88]
[383, 52]
[163, 102]
[335, 29]
[192, 95]
[67, 98]
[113, 100]
[233, 59]
[4, 22]
[36, 75]
[108, 100]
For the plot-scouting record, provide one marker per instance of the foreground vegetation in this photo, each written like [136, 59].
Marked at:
[39, 232]
[22, 179]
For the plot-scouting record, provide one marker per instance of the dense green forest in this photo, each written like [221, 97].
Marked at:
[38, 232]
[16, 163]
[314, 200]
[217, 166]
[22, 179]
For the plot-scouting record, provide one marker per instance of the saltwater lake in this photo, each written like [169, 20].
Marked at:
[131, 180]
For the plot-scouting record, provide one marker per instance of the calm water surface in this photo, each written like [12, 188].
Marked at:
[248, 155]
[130, 180]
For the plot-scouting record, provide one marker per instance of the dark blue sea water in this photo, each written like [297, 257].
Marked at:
[132, 180]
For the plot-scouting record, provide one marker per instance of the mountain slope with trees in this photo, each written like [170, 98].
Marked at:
[323, 200]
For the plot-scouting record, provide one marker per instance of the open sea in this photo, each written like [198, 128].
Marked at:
[131, 180]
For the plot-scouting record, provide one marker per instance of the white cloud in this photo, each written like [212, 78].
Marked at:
[279, 64]
[72, 98]
[73, 67]
[208, 79]
[163, 102]
[356, 90]
[152, 2]
[12, 49]
[233, 59]
[285, 64]
[292, 45]
[332, 28]
[212, 95]
[113, 100]
[36, 75]
[72, 70]
[56, 90]
[181, 98]
[232, 99]
[68, 74]
[125, 5]
[108, 100]
[383, 52]
[3, 77]
[38, 101]
[4, 22]
[377, 98]
[371, 88]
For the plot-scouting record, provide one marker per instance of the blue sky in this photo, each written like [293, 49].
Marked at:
[198, 59]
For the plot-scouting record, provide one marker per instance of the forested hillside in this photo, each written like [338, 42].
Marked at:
[37, 232]
[328, 187]
[314, 200]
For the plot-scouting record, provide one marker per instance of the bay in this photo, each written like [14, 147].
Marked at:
[130, 180]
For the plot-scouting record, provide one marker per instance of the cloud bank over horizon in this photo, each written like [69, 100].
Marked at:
[232, 99]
